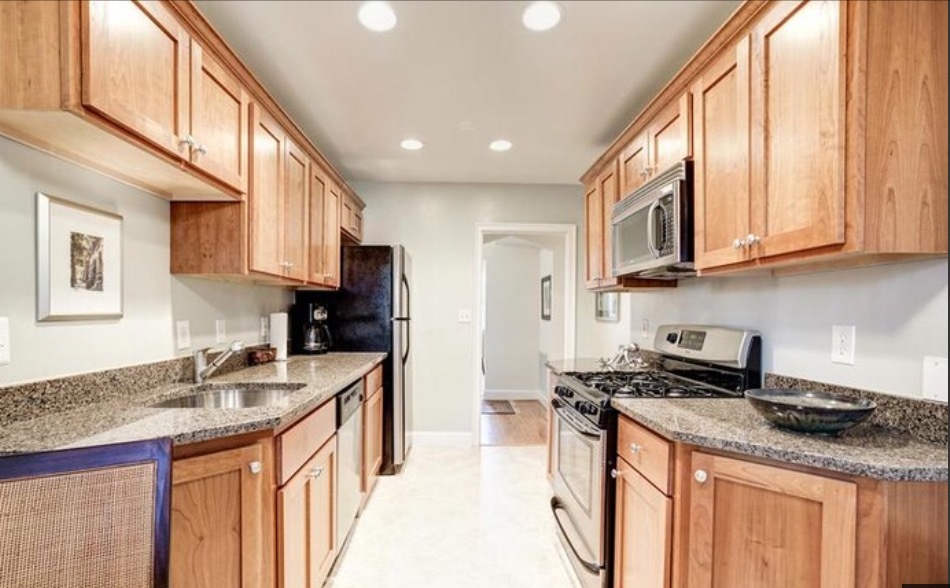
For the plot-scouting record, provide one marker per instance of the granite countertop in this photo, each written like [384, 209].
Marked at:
[128, 417]
[733, 425]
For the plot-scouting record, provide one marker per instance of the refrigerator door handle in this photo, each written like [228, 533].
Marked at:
[405, 283]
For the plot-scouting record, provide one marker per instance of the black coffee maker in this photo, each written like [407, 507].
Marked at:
[311, 333]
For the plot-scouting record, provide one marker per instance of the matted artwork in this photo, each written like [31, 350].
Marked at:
[79, 261]
[546, 298]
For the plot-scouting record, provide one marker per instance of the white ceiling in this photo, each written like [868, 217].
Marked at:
[458, 74]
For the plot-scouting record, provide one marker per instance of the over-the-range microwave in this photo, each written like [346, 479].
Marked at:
[652, 233]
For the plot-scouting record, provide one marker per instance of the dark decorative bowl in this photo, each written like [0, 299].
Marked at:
[810, 412]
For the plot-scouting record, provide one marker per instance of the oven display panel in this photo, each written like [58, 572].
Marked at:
[692, 340]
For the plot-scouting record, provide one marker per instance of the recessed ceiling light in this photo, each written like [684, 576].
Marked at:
[542, 15]
[500, 145]
[411, 144]
[377, 16]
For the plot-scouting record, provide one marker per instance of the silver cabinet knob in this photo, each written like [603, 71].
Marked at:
[202, 149]
[751, 239]
[701, 476]
[635, 449]
[316, 472]
[255, 467]
[188, 142]
[614, 474]
[738, 244]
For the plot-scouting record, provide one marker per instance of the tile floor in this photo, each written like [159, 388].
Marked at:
[458, 518]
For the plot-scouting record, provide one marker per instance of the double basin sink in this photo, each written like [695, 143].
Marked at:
[230, 396]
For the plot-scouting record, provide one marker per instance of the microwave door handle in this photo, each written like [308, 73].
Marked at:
[651, 231]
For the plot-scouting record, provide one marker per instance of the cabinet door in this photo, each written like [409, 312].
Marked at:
[352, 218]
[305, 535]
[372, 439]
[219, 111]
[798, 103]
[217, 520]
[669, 136]
[720, 100]
[266, 218]
[294, 211]
[634, 161]
[609, 188]
[753, 525]
[331, 218]
[135, 69]
[594, 215]
[317, 210]
[643, 533]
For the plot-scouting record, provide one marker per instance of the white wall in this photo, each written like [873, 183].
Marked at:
[153, 299]
[437, 224]
[900, 312]
[512, 325]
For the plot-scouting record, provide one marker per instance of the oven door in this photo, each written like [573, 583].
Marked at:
[579, 466]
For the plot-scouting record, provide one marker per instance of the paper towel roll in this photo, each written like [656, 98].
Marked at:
[278, 334]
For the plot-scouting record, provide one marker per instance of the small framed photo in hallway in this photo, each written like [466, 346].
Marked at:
[546, 298]
[607, 306]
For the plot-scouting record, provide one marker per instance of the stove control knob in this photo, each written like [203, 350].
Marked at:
[672, 337]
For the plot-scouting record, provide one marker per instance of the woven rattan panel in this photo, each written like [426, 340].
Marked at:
[79, 530]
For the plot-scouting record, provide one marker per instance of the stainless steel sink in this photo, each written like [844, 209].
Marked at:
[233, 396]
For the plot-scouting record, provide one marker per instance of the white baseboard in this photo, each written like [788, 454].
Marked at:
[511, 394]
[442, 439]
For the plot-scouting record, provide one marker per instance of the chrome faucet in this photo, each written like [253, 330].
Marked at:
[203, 369]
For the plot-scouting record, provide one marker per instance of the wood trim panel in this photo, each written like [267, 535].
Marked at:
[374, 379]
[298, 443]
[647, 452]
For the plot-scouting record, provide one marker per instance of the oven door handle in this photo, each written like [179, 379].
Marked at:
[557, 505]
[572, 421]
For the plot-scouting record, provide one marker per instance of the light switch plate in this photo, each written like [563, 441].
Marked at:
[842, 344]
[183, 334]
[465, 315]
[4, 340]
[264, 329]
[935, 378]
[220, 331]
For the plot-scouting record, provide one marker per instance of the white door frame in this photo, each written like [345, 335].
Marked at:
[569, 307]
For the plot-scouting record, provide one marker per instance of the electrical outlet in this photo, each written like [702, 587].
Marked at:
[465, 315]
[183, 334]
[645, 329]
[264, 329]
[4, 340]
[843, 338]
[220, 331]
[935, 378]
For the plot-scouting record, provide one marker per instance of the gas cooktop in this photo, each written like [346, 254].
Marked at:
[647, 384]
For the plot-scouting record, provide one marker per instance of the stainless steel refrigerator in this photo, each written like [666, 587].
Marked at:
[372, 312]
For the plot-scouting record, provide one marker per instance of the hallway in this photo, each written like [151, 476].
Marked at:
[459, 517]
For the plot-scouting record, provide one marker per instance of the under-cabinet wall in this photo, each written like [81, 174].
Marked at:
[153, 299]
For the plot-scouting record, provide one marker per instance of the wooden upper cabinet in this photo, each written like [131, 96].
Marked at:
[779, 527]
[634, 164]
[331, 224]
[720, 99]
[669, 136]
[219, 121]
[594, 223]
[266, 209]
[798, 116]
[608, 186]
[319, 186]
[352, 217]
[217, 519]
[135, 69]
[294, 211]
[643, 534]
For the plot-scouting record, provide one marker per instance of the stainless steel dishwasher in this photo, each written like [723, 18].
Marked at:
[349, 422]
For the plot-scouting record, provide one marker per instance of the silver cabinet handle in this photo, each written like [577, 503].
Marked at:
[188, 142]
[255, 467]
[738, 243]
[615, 474]
[316, 472]
[202, 149]
[634, 448]
[701, 476]
[751, 239]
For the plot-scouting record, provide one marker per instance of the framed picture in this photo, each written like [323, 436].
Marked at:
[607, 306]
[78, 261]
[546, 298]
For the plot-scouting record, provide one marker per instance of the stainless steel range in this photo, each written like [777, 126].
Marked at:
[696, 362]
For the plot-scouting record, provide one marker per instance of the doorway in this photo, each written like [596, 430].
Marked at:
[525, 316]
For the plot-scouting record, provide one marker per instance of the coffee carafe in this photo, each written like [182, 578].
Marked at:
[316, 332]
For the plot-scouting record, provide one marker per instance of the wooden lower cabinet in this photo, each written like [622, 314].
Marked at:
[218, 519]
[305, 519]
[643, 532]
[372, 440]
[755, 525]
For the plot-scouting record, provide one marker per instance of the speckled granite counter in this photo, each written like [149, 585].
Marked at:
[128, 417]
[734, 426]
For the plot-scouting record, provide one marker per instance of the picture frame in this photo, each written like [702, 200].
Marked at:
[546, 298]
[78, 261]
[607, 307]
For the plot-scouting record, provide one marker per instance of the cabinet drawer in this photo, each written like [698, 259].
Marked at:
[297, 444]
[647, 452]
[374, 381]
